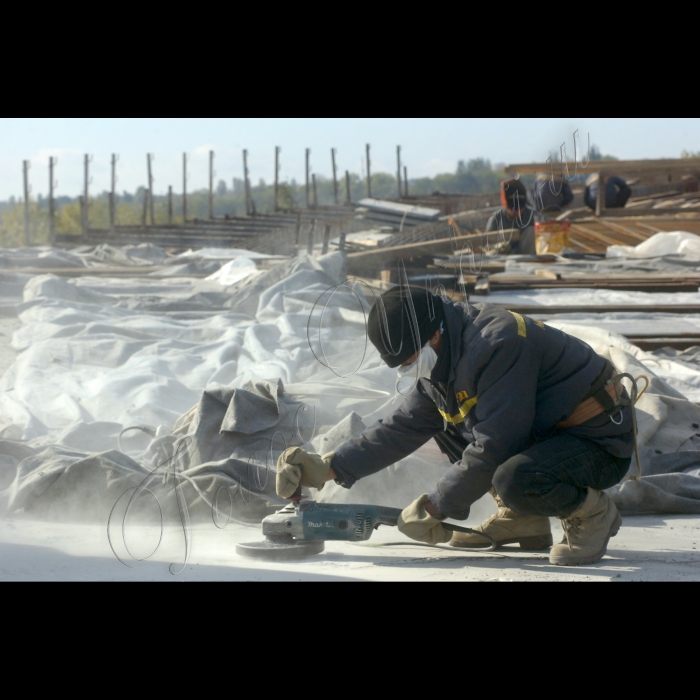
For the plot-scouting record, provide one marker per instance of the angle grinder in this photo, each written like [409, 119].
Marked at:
[300, 530]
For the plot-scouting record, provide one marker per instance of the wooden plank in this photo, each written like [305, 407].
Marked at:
[651, 229]
[578, 246]
[577, 228]
[639, 286]
[440, 246]
[677, 343]
[598, 246]
[641, 211]
[612, 166]
[530, 310]
[627, 231]
[578, 276]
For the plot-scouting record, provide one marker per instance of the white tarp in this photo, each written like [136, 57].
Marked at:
[100, 355]
[660, 245]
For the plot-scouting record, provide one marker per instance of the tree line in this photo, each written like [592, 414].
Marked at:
[476, 176]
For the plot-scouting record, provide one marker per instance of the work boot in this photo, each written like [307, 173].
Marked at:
[587, 532]
[531, 532]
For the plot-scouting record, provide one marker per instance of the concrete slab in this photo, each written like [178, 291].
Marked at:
[649, 548]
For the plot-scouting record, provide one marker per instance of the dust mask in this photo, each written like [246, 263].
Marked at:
[422, 368]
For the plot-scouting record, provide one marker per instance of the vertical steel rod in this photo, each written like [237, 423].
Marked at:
[312, 232]
[335, 177]
[369, 173]
[398, 169]
[308, 183]
[27, 232]
[248, 207]
[297, 237]
[211, 184]
[149, 157]
[113, 196]
[86, 205]
[277, 178]
[52, 203]
[184, 188]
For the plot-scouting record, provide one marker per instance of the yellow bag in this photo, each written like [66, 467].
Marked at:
[552, 236]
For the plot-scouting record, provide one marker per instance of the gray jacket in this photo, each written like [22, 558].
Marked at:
[525, 223]
[503, 382]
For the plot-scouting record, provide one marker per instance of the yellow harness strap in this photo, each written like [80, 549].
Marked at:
[522, 328]
[463, 412]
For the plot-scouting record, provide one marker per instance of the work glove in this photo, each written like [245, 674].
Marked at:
[296, 467]
[415, 523]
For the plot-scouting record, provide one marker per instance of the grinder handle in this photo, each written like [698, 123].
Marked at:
[469, 531]
[390, 516]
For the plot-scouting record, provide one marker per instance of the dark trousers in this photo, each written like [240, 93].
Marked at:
[551, 478]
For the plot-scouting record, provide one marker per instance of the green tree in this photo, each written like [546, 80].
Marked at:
[12, 232]
[597, 155]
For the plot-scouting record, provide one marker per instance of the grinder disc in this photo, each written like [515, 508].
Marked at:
[280, 551]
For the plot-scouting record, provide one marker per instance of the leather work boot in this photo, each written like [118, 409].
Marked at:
[531, 532]
[587, 532]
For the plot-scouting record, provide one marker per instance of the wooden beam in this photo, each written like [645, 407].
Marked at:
[610, 166]
[440, 246]
[649, 212]
[529, 310]
[675, 342]
[627, 231]
[596, 235]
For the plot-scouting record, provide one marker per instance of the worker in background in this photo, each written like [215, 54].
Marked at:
[516, 219]
[552, 195]
[521, 409]
[617, 192]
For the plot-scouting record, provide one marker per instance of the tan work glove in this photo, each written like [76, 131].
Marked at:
[296, 467]
[415, 523]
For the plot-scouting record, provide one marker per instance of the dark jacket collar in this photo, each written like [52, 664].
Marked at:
[445, 369]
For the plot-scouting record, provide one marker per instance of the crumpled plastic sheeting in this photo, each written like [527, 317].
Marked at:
[141, 351]
[234, 271]
[680, 379]
[667, 494]
[659, 245]
[101, 355]
[142, 254]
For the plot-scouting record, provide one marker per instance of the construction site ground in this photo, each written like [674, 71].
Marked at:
[648, 548]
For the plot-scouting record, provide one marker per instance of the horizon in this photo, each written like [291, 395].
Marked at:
[430, 147]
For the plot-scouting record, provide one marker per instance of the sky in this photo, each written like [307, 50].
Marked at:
[430, 146]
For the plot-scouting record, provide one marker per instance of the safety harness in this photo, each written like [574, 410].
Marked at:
[606, 396]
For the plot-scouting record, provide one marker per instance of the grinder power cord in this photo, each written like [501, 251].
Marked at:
[300, 529]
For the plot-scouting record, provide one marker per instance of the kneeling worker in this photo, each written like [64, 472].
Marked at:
[522, 410]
